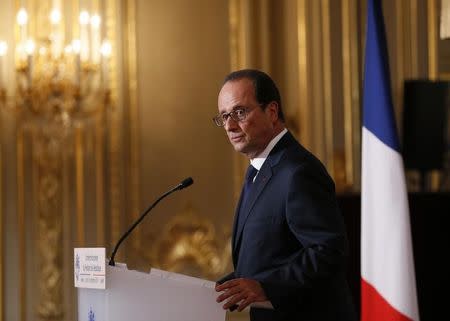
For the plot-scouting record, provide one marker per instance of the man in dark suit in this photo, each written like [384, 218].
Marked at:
[289, 244]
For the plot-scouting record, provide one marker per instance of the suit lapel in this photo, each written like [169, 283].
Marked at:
[236, 216]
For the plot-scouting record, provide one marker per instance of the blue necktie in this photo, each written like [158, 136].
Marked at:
[249, 176]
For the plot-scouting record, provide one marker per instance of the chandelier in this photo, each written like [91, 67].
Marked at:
[57, 80]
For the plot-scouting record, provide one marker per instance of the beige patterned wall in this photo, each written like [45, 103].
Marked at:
[86, 188]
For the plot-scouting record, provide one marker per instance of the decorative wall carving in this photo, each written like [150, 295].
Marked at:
[189, 244]
[48, 156]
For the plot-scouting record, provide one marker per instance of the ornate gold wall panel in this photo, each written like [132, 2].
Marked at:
[59, 180]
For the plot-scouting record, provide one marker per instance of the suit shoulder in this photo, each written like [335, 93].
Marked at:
[297, 158]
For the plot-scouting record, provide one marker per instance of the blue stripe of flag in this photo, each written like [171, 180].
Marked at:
[378, 115]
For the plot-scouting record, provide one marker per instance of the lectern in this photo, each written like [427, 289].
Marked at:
[155, 296]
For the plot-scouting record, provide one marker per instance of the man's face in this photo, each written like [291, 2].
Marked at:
[249, 136]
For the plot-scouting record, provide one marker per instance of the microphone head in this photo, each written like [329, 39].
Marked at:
[186, 182]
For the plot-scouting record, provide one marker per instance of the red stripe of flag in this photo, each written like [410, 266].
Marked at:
[374, 307]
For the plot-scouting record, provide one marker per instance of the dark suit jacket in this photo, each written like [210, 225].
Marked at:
[291, 237]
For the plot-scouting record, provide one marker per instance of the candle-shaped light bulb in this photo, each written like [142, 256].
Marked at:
[22, 17]
[84, 17]
[29, 47]
[106, 49]
[55, 16]
[76, 46]
[3, 48]
[96, 20]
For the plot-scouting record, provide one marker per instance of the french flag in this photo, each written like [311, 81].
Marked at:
[388, 285]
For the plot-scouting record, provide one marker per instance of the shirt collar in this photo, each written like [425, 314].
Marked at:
[258, 162]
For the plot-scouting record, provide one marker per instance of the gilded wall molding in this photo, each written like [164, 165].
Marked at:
[303, 69]
[264, 35]
[237, 42]
[398, 68]
[69, 234]
[21, 223]
[99, 160]
[100, 179]
[316, 103]
[432, 15]
[327, 86]
[414, 38]
[47, 158]
[351, 98]
[115, 178]
[79, 172]
[130, 98]
[115, 127]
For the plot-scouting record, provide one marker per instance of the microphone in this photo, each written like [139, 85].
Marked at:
[185, 183]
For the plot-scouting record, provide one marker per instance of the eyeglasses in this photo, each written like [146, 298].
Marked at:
[239, 114]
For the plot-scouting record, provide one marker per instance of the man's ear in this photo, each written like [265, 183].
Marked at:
[272, 108]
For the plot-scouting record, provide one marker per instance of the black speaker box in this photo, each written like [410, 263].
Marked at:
[424, 123]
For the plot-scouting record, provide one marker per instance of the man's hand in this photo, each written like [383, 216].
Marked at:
[241, 292]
